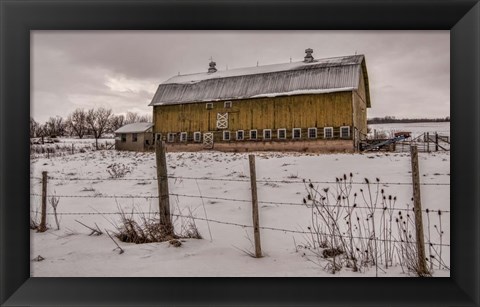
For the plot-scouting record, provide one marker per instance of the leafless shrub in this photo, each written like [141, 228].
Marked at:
[118, 170]
[249, 252]
[95, 230]
[120, 250]
[138, 227]
[147, 230]
[344, 235]
[188, 228]
[362, 229]
[54, 200]
[34, 223]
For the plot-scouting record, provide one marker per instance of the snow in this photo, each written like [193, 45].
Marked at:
[270, 95]
[303, 92]
[194, 78]
[442, 128]
[70, 251]
[134, 127]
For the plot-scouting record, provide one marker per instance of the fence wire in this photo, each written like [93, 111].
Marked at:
[247, 180]
[302, 181]
[232, 200]
[244, 226]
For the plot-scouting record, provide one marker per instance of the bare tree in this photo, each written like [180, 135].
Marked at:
[132, 117]
[42, 132]
[116, 122]
[48, 128]
[77, 123]
[98, 121]
[55, 126]
[33, 128]
[145, 119]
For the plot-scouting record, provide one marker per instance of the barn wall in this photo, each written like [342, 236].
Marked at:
[139, 145]
[301, 111]
[359, 99]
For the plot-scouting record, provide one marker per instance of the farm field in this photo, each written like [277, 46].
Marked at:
[442, 128]
[215, 186]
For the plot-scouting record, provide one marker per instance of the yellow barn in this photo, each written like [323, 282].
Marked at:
[317, 105]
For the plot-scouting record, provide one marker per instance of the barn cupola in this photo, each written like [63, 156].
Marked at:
[212, 68]
[308, 56]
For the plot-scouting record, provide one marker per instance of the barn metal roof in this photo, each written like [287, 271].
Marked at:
[320, 76]
[134, 128]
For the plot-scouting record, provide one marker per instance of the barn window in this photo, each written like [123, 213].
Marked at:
[226, 135]
[227, 104]
[209, 105]
[183, 137]
[282, 134]
[345, 131]
[124, 137]
[134, 137]
[253, 134]
[312, 133]
[240, 135]
[171, 137]
[158, 136]
[267, 134]
[328, 132]
[197, 136]
[296, 133]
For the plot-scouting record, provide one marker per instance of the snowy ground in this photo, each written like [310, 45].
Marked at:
[442, 128]
[70, 251]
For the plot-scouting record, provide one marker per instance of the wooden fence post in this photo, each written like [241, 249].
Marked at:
[163, 195]
[256, 226]
[436, 141]
[428, 141]
[422, 264]
[73, 151]
[43, 221]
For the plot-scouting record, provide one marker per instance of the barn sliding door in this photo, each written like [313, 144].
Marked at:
[208, 140]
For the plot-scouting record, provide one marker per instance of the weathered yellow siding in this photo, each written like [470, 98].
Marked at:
[301, 111]
[359, 98]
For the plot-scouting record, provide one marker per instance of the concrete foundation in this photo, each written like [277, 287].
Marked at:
[319, 146]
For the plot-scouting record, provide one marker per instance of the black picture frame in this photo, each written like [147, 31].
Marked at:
[19, 17]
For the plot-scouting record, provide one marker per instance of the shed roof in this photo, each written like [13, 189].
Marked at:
[134, 128]
[320, 76]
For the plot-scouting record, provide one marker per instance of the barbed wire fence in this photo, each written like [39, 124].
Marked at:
[221, 222]
[309, 232]
[62, 149]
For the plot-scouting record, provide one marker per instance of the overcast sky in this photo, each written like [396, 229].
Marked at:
[409, 71]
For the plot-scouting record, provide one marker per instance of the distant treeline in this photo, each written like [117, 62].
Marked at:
[392, 119]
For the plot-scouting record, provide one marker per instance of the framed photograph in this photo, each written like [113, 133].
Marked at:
[109, 86]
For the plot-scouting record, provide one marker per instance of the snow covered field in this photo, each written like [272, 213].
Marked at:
[442, 128]
[89, 195]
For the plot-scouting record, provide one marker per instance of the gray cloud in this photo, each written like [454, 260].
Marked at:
[409, 71]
